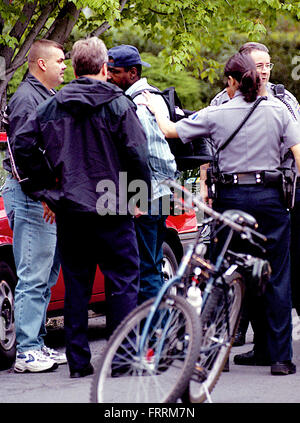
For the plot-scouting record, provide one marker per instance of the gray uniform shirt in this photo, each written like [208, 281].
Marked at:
[257, 145]
[289, 100]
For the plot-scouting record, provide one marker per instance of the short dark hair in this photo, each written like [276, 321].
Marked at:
[242, 68]
[247, 48]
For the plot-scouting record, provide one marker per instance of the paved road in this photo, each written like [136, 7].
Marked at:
[56, 386]
[247, 384]
[243, 384]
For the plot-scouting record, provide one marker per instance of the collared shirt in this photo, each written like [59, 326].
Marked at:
[256, 146]
[289, 101]
[162, 161]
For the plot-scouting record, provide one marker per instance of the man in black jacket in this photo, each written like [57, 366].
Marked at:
[96, 147]
[34, 240]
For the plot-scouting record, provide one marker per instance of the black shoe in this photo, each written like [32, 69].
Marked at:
[283, 368]
[239, 340]
[250, 359]
[86, 371]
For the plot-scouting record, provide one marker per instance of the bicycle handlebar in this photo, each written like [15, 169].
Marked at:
[245, 231]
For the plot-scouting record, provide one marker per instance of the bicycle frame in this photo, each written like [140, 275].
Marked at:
[244, 231]
[179, 274]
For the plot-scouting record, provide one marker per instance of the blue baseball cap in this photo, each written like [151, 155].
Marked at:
[125, 55]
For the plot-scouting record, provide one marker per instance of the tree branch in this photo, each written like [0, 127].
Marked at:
[159, 13]
[64, 23]
[21, 25]
[18, 30]
[105, 25]
[20, 59]
[6, 3]
[14, 67]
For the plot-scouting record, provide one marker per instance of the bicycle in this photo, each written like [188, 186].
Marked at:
[163, 351]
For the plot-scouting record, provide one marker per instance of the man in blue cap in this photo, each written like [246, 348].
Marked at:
[125, 70]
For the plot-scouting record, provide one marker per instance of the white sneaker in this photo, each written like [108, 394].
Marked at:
[58, 357]
[33, 361]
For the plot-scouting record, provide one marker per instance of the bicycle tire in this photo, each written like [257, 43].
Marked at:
[214, 328]
[162, 372]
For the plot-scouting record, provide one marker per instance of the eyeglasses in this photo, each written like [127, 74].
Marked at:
[268, 66]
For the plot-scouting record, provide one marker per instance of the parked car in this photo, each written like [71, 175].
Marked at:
[180, 230]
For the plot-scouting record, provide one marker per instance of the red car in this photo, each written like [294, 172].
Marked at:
[180, 230]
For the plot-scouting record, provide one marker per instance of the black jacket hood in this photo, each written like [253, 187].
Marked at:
[83, 94]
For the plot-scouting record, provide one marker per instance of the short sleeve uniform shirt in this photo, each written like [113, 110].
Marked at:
[257, 145]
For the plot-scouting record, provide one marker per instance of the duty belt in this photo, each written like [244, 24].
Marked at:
[267, 178]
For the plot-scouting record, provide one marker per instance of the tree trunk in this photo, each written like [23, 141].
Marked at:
[20, 58]
[64, 23]
[18, 30]
[59, 32]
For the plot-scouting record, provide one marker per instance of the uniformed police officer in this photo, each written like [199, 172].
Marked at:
[260, 54]
[249, 164]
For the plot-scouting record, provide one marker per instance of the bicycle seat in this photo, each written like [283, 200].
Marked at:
[241, 217]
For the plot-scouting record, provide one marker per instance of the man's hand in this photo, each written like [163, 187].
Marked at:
[48, 215]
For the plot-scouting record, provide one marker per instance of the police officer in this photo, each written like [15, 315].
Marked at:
[260, 54]
[249, 164]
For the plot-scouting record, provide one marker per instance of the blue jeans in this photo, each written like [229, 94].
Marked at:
[150, 232]
[37, 264]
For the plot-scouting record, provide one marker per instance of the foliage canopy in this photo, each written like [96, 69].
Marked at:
[189, 31]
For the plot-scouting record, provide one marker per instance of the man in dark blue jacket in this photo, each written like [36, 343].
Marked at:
[96, 147]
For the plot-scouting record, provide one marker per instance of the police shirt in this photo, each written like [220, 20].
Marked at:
[290, 102]
[256, 146]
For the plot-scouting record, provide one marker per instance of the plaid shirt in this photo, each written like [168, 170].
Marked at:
[162, 162]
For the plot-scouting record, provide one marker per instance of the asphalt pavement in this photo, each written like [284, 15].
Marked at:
[241, 385]
[255, 384]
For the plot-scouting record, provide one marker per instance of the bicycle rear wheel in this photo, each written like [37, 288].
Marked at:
[216, 340]
[161, 371]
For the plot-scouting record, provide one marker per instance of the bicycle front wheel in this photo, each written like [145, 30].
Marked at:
[217, 339]
[158, 372]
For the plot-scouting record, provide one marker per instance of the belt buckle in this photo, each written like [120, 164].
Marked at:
[258, 177]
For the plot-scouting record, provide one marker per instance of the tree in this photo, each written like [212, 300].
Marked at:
[21, 22]
[186, 28]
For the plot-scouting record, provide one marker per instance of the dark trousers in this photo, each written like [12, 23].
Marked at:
[295, 252]
[271, 313]
[86, 240]
[150, 231]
